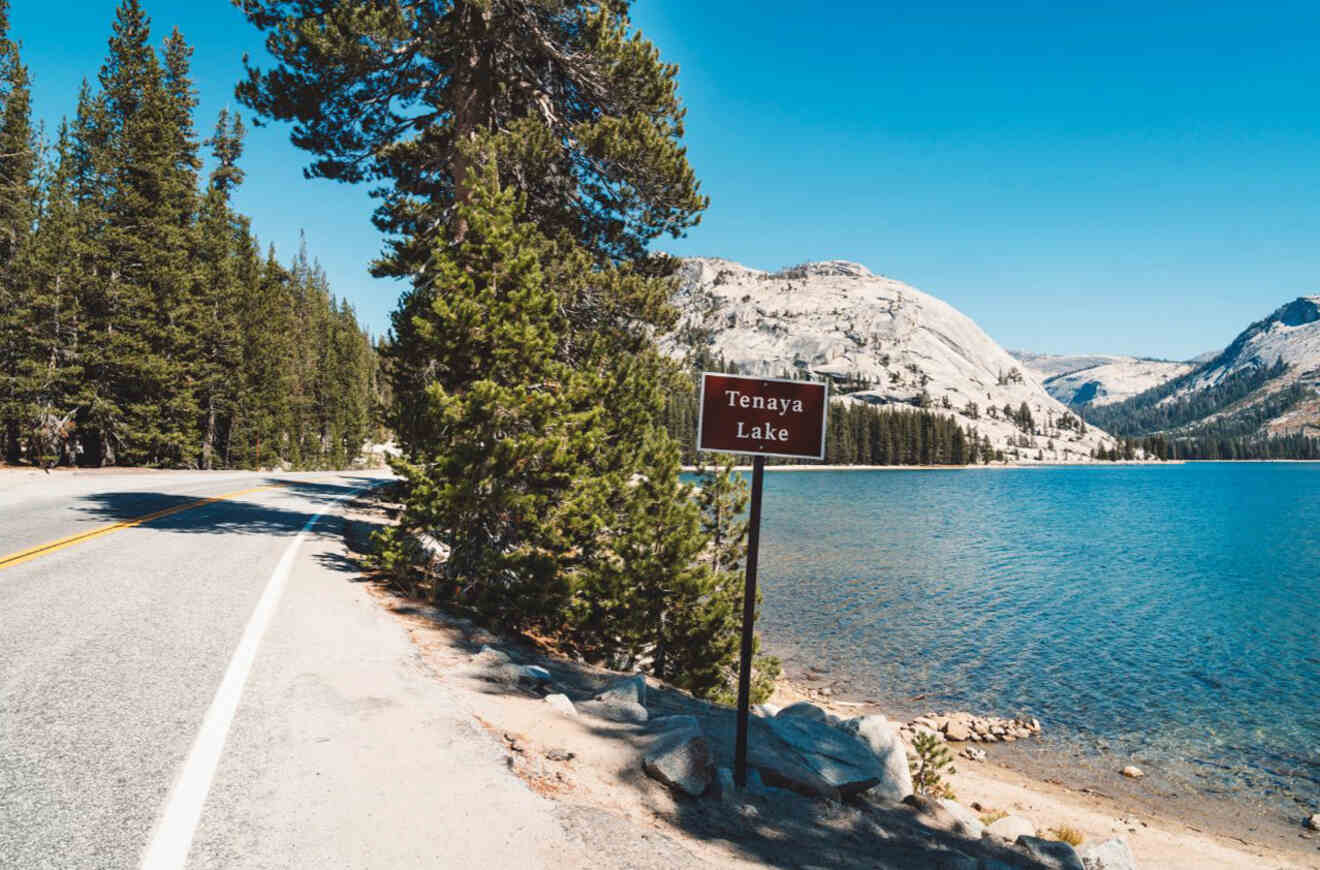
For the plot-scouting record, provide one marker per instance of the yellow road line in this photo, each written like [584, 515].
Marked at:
[52, 546]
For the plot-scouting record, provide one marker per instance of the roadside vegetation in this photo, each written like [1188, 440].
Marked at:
[525, 156]
[141, 323]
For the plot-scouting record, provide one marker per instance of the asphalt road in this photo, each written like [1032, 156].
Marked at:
[197, 691]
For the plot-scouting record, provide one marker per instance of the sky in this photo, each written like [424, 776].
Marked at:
[1110, 177]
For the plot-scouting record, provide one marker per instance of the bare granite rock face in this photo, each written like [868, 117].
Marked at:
[877, 339]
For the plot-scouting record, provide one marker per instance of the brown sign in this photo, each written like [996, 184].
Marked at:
[765, 416]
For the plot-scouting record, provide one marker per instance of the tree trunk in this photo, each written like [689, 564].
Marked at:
[472, 103]
[12, 452]
[208, 445]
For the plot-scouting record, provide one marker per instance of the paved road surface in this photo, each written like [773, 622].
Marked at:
[198, 686]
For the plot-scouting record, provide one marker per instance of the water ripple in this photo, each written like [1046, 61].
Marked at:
[1164, 612]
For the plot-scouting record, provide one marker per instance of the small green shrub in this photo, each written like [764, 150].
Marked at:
[929, 763]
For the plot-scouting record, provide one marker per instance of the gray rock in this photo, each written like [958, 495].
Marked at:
[952, 861]
[881, 737]
[973, 754]
[488, 655]
[765, 710]
[788, 772]
[957, 732]
[536, 674]
[561, 704]
[681, 759]
[1054, 854]
[683, 722]
[1112, 854]
[969, 824]
[627, 690]
[728, 790]
[804, 710]
[932, 813]
[624, 711]
[1011, 827]
[843, 760]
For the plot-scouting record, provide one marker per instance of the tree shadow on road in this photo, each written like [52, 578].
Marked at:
[255, 514]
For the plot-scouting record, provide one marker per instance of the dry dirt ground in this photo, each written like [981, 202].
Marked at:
[592, 769]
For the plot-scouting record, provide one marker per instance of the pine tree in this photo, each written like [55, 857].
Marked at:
[220, 241]
[140, 142]
[50, 382]
[17, 200]
[512, 425]
[706, 636]
[401, 94]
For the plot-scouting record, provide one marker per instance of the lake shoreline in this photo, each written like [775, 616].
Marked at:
[1160, 826]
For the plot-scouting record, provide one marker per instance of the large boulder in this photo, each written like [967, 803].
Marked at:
[627, 690]
[933, 814]
[803, 710]
[1112, 854]
[627, 712]
[843, 760]
[621, 701]
[786, 770]
[680, 757]
[1011, 827]
[881, 737]
[1055, 854]
[970, 824]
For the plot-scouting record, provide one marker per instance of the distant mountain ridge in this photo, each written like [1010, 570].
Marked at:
[1099, 379]
[1265, 383]
[879, 341]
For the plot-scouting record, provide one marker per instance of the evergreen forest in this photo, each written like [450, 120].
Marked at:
[141, 321]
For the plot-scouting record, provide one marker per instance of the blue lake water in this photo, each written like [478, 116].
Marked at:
[1164, 614]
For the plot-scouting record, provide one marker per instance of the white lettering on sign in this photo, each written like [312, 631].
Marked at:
[739, 399]
[762, 433]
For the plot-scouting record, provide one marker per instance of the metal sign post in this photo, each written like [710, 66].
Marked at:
[761, 417]
[748, 624]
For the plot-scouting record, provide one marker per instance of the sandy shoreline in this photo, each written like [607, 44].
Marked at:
[1171, 830]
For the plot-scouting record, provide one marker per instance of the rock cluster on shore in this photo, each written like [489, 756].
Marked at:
[964, 727]
[805, 750]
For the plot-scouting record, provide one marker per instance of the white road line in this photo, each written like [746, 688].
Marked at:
[173, 837]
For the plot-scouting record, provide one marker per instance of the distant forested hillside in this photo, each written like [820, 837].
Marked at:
[141, 323]
[1172, 421]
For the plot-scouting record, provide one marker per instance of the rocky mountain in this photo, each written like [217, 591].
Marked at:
[878, 341]
[1267, 382]
[1099, 379]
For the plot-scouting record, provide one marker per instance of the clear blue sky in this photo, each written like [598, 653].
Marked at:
[1124, 177]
